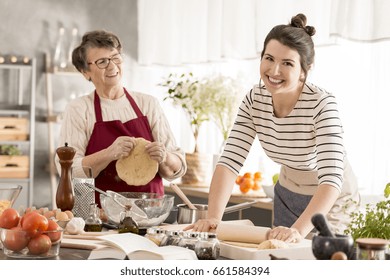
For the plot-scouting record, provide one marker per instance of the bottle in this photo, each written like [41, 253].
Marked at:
[65, 192]
[60, 53]
[72, 46]
[93, 222]
[127, 224]
[207, 247]
[371, 248]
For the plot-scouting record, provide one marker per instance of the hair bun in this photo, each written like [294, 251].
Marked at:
[310, 30]
[299, 21]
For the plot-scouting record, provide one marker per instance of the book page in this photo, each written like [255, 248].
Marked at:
[129, 242]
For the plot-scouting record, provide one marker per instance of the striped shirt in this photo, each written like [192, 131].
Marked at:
[310, 138]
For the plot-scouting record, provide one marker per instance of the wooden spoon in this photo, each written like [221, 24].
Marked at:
[180, 193]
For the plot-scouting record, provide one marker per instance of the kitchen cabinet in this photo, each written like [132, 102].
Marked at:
[17, 127]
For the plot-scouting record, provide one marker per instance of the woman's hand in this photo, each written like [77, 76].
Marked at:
[203, 225]
[157, 151]
[121, 147]
[285, 234]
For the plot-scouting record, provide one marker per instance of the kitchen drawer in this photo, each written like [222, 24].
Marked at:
[14, 166]
[12, 129]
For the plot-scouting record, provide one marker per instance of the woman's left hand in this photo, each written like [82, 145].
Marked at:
[285, 234]
[157, 151]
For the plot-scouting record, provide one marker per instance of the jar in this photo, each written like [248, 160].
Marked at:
[207, 247]
[189, 240]
[371, 248]
[173, 237]
[157, 235]
[93, 222]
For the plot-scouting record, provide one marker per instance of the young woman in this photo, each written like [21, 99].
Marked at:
[298, 126]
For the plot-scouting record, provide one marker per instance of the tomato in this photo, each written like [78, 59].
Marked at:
[248, 175]
[54, 235]
[16, 239]
[34, 223]
[9, 218]
[40, 244]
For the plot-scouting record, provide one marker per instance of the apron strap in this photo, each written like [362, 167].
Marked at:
[98, 108]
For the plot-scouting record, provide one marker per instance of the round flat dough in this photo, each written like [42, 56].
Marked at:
[272, 244]
[138, 168]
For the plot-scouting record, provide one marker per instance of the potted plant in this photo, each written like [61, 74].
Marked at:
[373, 221]
[212, 98]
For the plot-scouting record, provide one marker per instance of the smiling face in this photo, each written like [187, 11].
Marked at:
[280, 69]
[107, 78]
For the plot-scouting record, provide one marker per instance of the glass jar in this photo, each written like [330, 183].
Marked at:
[207, 247]
[93, 222]
[173, 237]
[371, 248]
[157, 235]
[189, 240]
[127, 224]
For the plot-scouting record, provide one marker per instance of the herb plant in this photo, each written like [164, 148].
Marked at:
[373, 222]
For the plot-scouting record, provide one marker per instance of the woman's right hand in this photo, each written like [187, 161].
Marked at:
[204, 225]
[121, 147]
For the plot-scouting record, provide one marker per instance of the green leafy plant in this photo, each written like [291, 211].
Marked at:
[10, 150]
[212, 98]
[374, 221]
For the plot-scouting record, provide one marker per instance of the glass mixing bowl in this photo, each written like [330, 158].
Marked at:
[150, 209]
[8, 195]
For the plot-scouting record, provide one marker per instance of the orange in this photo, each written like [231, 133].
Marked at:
[246, 185]
[256, 185]
[238, 179]
[257, 175]
[247, 175]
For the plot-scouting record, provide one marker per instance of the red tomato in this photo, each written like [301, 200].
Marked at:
[16, 239]
[34, 223]
[39, 244]
[54, 235]
[9, 218]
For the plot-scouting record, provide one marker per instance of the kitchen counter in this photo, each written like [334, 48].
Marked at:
[65, 254]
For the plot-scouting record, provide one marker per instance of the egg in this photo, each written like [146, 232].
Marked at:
[62, 216]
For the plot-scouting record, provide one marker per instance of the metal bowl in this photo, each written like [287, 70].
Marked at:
[8, 195]
[149, 209]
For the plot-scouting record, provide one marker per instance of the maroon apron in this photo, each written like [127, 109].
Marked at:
[104, 134]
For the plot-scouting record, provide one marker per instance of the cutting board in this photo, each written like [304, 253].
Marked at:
[296, 251]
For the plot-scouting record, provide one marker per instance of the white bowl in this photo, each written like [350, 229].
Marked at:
[269, 190]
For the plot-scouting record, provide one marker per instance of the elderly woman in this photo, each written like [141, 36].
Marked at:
[103, 125]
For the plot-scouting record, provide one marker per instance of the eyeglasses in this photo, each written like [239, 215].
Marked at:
[102, 63]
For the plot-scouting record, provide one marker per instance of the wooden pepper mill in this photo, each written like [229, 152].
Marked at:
[65, 192]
